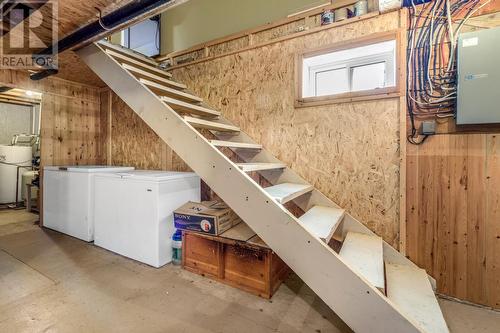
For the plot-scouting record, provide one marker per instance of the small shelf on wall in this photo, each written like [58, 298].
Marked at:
[291, 27]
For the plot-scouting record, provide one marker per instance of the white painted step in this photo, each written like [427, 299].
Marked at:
[123, 59]
[322, 221]
[153, 77]
[315, 262]
[249, 167]
[287, 191]
[162, 90]
[129, 52]
[185, 107]
[235, 145]
[410, 290]
[364, 254]
[210, 125]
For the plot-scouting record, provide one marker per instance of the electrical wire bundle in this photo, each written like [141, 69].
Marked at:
[431, 68]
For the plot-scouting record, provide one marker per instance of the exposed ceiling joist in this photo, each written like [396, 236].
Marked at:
[74, 14]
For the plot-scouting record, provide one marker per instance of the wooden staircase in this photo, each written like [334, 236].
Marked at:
[370, 285]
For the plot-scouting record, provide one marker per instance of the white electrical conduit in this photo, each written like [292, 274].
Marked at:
[431, 35]
[453, 35]
[450, 32]
[454, 41]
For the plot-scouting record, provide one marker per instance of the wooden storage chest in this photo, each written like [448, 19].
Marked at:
[247, 265]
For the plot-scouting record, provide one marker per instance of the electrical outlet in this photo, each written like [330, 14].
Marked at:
[428, 127]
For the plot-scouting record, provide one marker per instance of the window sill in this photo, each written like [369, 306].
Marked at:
[360, 96]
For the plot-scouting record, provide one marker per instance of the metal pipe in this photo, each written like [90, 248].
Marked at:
[17, 186]
[43, 74]
[105, 24]
[17, 182]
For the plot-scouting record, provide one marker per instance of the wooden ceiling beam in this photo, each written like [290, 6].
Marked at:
[20, 99]
[9, 101]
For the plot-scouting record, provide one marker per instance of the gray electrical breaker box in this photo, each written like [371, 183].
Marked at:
[478, 62]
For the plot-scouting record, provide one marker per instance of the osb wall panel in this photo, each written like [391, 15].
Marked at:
[348, 151]
[133, 143]
[453, 214]
[228, 46]
[280, 31]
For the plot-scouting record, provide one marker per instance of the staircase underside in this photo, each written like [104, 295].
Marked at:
[342, 283]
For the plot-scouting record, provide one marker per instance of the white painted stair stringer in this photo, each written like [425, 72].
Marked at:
[314, 198]
[358, 303]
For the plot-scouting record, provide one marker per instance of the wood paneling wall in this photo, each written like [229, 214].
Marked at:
[349, 151]
[453, 203]
[70, 129]
[70, 118]
[453, 214]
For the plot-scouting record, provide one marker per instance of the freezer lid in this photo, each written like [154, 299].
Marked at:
[89, 168]
[150, 175]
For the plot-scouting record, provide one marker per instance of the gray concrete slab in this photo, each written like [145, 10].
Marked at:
[67, 285]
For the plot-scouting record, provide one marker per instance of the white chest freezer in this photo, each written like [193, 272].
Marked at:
[134, 212]
[68, 198]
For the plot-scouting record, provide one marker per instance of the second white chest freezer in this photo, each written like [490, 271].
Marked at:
[134, 212]
[68, 198]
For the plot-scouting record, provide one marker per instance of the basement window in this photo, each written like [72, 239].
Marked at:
[348, 72]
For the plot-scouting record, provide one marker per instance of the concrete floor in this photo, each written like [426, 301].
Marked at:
[54, 283]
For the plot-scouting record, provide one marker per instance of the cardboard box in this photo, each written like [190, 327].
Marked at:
[209, 217]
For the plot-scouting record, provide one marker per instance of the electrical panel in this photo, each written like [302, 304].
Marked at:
[478, 100]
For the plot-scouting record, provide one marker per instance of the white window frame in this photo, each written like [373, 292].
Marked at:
[392, 77]
[387, 58]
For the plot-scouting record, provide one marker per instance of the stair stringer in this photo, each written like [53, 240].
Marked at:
[348, 294]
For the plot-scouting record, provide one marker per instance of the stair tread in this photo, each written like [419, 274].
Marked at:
[362, 311]
[152, 76]
[230, 144]
[248, 167]
[287, 191]
[410, 290]
[128, 52]
[210, 125]
[124, 59]
[161, 89]
[182, 106]
[364, 253]
[322, 221]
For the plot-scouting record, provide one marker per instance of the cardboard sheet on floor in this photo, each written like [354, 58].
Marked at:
[241, 232]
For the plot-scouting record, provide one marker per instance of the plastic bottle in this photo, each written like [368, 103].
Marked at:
[177, 247]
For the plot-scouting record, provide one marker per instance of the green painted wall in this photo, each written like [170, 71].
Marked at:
[198, 21]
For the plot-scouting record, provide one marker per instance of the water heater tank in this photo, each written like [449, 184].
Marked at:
[12, 155]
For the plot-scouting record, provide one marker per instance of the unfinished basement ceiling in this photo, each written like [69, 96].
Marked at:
[73, 14]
